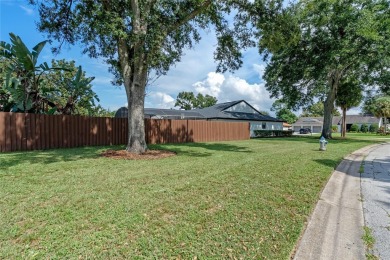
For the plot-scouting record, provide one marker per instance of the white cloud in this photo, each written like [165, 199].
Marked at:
[28, 11]
[232, 88]
[159, 100]
[211, 85]
[259, 68]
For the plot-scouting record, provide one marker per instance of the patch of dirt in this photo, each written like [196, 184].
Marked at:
[148, 155]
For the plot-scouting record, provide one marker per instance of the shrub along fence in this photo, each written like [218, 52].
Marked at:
[22, 132]
[273, 133]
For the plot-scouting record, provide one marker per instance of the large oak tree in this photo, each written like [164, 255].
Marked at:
[141, 37]
[315, 44]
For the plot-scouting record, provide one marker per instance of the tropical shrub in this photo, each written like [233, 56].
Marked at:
[364, 128]
[273, 133]
[354, 128]
[373, 128]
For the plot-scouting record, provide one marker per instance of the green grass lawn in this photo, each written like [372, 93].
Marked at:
[244, 199]
[364, 136]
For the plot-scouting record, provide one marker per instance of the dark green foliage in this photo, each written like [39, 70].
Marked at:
[283, 113]
[335, 128]
[73, 91]
[354, 128]
[29, 87]
[24, 83]
[373, 128]
[364, 128]
[188, 101]
[317, 110]
[349, 95]
[315, 44]
[273, 133]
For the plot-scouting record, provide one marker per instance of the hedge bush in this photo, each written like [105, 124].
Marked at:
[374, 128]
[273, 133]
[364, 128]
[354, 128]
[335, 128]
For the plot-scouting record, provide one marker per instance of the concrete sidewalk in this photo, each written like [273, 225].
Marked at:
[335, 228]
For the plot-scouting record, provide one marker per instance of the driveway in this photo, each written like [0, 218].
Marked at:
[375, 188]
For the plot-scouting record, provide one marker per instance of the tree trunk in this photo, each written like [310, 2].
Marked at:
[134, 73]
[333, 80]
[136, 142]
[344, 122]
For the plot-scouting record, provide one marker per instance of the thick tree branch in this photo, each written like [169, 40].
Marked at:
[189, 17]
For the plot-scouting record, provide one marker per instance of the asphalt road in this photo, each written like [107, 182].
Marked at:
[375, 188]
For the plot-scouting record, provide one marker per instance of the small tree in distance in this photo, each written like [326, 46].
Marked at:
[349, 95]
[188, 101]
[382, 110]
[283, 113]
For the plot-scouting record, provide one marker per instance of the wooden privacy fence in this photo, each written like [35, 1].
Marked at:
[22, 132]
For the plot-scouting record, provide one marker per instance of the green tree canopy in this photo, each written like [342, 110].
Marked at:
[382, 109]
[283, 113]
[349, 95]
[141, 37]
[317, 110]
[315, 44]
[73, 92]
[188, 100]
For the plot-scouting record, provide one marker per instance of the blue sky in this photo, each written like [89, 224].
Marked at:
[195, 72]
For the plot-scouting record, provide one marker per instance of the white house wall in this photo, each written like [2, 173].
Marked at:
[257, 125]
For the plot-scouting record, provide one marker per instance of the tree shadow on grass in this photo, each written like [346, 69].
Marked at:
[207, 149]
[8, 160]
[328, 162]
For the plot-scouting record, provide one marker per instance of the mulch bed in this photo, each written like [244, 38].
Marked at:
[148, 155]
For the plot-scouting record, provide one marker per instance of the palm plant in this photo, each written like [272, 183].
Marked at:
[23, 76]
[382, 109]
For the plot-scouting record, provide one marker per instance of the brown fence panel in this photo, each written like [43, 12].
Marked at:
[20, 132]
[2, 132]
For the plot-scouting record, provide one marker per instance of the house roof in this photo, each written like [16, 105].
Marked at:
[171, 113]
[358, 119]
[351, 119]
[315, 121]
[218, 111]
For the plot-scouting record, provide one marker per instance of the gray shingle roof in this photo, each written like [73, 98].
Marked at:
[218, 112]
[214, 112]
[351, 119]
[172, 113]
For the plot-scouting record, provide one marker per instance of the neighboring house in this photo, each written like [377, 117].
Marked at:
[359, 120]
[287, 126]
[315, 123]
[230, 111]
